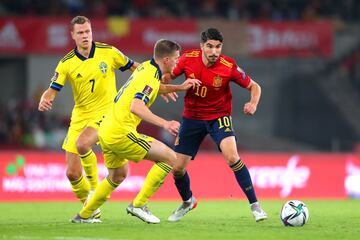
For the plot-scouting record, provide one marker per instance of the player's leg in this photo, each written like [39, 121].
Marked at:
[79, 184]
[84, 143]
[164, 158]
[182, 183]
[181, 176]
[242, 175]
[191, 135]
[115, 177]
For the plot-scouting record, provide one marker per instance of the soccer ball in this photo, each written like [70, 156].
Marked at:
[294, 213]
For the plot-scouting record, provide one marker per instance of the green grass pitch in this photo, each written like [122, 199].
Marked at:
[329, 219]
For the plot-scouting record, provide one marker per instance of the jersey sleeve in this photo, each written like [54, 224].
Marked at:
[59, 78]
[239, 76]
[121, 61]
[145, 90]
[180, 66]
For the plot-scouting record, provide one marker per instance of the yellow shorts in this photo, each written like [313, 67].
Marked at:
[130, 146]
[75, 130]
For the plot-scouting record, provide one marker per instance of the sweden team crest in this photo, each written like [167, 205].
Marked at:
[103, 67]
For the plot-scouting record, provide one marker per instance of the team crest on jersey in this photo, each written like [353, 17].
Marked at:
[217, 81]
[147, 90]
[192, 75]
[103, 67]
[55, 77]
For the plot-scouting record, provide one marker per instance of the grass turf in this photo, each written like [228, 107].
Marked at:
[211, 220]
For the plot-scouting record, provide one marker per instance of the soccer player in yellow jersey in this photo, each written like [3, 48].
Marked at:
[90, 70]
[121, 142]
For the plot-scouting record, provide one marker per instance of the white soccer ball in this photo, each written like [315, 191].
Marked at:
[294, 213]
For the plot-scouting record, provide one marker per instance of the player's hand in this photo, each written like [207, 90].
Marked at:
[190, 82]
[250, 108]
[44, 105]
[173, 96]
[172, 127]
[166, 78]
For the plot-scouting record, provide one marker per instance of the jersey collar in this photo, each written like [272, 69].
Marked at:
[91, 55]
[152, 62]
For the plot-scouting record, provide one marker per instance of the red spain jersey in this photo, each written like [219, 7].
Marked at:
[212, 99]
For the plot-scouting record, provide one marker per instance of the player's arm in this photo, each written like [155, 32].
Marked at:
[168, 88]
[47, 99]
[134, 66]
[139, 108]
[57, 82]
[255, 93]
[167, 78]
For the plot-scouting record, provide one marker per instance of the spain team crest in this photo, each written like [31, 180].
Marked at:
[217, 81]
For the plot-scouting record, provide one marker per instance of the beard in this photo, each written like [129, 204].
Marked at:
[212, 59]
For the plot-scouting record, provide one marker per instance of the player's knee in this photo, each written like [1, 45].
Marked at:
[82, 146]
[231, 158]
[169, 158]
[73, 174]
[118, 178]
[178, 171]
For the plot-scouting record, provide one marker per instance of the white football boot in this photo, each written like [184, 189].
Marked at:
[257, 212]
[142, 213]
[182, 210]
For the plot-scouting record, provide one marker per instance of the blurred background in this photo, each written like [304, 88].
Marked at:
[305, 54]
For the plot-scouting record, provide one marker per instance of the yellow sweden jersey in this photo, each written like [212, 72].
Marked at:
[143, 84]
[92, 80]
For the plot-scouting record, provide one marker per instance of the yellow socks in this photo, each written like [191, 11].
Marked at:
[103, 190]
[81, 188]
[89, 163]
[153, 181]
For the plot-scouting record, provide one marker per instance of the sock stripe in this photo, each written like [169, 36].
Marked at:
[139, 141]
[237, 166]
[86, 154]
[114, 185]
[164, 167]
[76, 181]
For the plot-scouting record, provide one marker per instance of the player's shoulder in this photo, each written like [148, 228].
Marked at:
[194, 53]
[147, 70]
[227, 61]
[103, 45]
[68, 56]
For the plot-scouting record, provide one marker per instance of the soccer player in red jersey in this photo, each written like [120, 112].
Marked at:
[208, 111]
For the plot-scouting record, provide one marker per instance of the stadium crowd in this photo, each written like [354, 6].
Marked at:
[22, 125]
[276, 10]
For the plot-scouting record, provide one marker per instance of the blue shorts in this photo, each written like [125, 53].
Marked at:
[192, 133]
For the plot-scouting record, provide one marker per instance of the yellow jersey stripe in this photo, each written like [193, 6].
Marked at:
[192, 54]
[226, 63]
